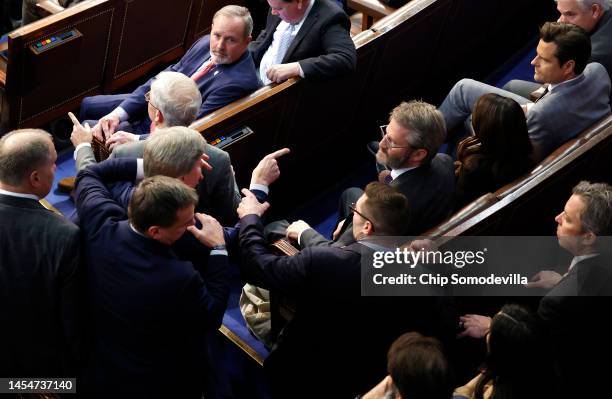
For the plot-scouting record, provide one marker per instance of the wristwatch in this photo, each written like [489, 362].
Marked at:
[220, 247]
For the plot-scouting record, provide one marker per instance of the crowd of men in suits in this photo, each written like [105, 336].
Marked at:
[129, 297]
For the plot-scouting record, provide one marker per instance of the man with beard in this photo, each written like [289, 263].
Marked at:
[220, 64]
[408, 149]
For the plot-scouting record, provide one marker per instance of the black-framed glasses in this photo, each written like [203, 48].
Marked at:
[147, 97]
[353, 208]
[388, 143]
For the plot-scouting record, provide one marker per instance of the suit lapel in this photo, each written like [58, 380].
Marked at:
[304, 29]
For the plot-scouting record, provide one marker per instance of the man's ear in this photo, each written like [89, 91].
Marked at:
[569, 68]
[419, 155]
[159, 117]
[596, 10]
[34, 179]
[153, 232]
[589, 238]
[248, 39]
[368, 228]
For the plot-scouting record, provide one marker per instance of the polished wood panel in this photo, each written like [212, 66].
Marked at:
[39, 88]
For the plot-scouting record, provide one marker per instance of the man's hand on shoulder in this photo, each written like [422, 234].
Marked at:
[120, 138]
[250, 205]
[280, 72]
[267, 172]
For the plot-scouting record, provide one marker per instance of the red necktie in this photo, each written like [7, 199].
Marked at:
[203, 71]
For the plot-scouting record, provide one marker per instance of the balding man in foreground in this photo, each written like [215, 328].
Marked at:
[39, 257]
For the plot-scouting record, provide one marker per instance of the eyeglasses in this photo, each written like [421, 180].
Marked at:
[388, 143]
[147, 97]
[353, 208]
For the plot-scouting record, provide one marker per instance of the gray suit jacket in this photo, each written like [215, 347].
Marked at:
[569, 108]
[601, 38]
[218, 190]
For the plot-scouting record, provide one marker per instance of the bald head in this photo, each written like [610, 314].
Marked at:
[27, 161]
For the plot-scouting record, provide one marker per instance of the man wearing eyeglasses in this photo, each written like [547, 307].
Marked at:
[408, 148]
[174, 100]
[333, 324]
[220, 64]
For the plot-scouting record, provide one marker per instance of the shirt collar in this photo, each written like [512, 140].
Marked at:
[578, 259]
[296, 27]
[395, 173]
[19, 195]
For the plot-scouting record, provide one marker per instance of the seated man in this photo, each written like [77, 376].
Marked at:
[409, 149]
[174, 100]
[334, 325]
[150, 310]
[39, 264]
[595, 17]
[577, 95]
[220, 64]
[307, 38]
[572, 309]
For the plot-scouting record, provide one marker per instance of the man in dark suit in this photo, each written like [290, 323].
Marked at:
[220, 64]
[174, 100]
[304, 38]
[334, 326]
[408, 149]
[572, 309]
[39, 257]
[150, 310]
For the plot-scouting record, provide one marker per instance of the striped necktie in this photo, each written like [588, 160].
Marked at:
[283, 45]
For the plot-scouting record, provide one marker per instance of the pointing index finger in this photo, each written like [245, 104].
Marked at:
[279, 153]
[74, 119]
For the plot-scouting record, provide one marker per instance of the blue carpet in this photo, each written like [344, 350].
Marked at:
[65, 168]
[522, 70]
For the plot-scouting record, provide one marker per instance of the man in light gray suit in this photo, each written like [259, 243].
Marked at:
[174, 100]
[577, 94]
[595, 17]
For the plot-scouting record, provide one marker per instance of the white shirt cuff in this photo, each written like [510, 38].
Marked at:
[301, 72]
[139, 169]
[120, 112]
[300, 236]
[218, 252]
[78, 147]
[260, 187]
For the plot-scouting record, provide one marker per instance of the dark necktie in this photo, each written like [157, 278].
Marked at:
[543, 94]
[388, 179]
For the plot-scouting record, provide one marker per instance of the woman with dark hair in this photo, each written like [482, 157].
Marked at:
[497, 153]
[518, 364]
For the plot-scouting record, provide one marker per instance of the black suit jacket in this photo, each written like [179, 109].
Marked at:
[39, 256]
[334, 326]
[430, 190]
[573, 313]
[323, 46]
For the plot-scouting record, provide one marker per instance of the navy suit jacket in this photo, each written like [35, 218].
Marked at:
[219, 87]
[150, 310]
[334, 326]
[323, 46]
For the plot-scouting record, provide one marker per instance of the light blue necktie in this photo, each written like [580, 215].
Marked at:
[283, 45]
